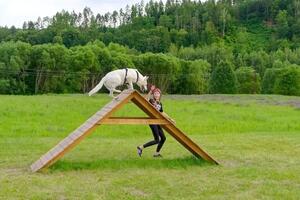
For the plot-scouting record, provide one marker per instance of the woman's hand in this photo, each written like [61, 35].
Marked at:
[152, 88]
[150, 92]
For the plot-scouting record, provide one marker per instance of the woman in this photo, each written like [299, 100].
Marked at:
[158, 134]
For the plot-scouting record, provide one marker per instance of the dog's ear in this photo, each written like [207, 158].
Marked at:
[146, 78]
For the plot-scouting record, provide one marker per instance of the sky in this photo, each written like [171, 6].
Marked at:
[15, 12]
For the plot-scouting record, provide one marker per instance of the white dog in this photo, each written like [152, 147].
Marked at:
[120, 77]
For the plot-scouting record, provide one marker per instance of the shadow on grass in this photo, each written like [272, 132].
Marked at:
[182, 163]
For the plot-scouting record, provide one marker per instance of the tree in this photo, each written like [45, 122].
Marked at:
[71, 37]
[248, 81]
[87, 15]
[165, 21]
[41, 62]
[284, 80]
[223, 79]
[215, 53]
[14, 61]
[259, 60]
[193, 77]
[58, 39]
[282, 24]
[224, 17]
[179, 37]
[209, 35]
[269, 80]
[288, 82]
[114, 18]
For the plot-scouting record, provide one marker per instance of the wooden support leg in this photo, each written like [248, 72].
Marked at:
[188, 143]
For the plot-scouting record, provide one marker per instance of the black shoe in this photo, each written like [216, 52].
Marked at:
[139, 151]
[157, 155]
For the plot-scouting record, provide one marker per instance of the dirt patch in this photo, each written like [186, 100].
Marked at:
[135, 192]
[14, 171]
[242, 100]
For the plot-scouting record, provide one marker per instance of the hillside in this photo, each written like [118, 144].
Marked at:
[187, 39]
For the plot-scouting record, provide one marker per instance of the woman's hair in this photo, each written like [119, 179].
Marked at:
[156, 90]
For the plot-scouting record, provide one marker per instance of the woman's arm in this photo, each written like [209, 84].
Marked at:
[148, 95]
[150, 92]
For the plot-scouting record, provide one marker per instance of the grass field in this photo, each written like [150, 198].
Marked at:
[255, 138]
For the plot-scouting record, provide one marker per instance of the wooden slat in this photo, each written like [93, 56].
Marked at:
[133, 121]
[129, 118]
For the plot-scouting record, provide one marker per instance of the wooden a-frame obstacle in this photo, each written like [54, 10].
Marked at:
[104, 116]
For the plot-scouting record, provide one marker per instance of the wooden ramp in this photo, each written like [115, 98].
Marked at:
[104, 116]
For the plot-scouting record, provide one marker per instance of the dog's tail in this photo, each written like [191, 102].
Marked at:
[97, 88]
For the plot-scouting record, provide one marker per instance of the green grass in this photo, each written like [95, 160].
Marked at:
[255, 138]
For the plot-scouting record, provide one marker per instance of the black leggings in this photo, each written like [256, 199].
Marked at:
[159, 137]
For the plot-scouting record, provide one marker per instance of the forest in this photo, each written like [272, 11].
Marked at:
[187, 47]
